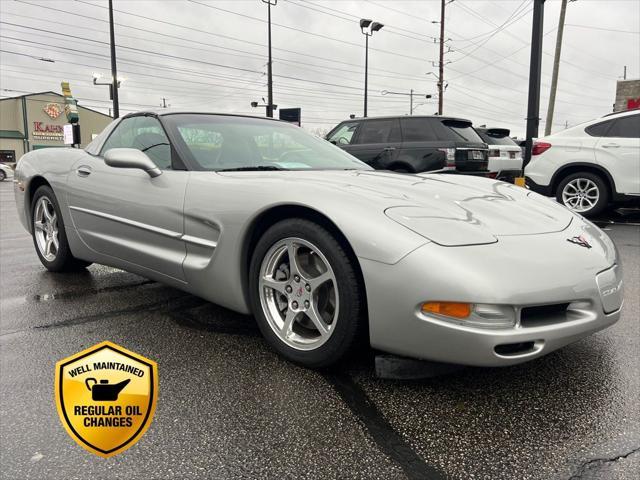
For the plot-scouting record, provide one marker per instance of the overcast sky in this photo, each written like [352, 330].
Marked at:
[212, 55]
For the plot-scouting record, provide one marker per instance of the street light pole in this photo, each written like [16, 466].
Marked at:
[114, 70]
[410, 94]
[269, 65]
[367, 27]
[366, 73]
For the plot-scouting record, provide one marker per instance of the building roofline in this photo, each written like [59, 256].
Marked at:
[50, 92]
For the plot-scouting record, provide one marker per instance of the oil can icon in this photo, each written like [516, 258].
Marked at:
[105, 391]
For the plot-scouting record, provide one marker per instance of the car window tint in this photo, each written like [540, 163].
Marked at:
[379, 131]
[144, 134]
[417, 130]
[344, 134]
[496, 139]
[625, 127]
[457, 130]
[599, 129]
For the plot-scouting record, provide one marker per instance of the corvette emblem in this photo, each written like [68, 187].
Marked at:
[53, 110]
[579, 240]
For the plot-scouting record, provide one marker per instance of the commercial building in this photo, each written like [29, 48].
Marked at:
[36, 121]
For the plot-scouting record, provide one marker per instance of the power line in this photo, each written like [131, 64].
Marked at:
[236, 39]
[590, 27]
[388, 28]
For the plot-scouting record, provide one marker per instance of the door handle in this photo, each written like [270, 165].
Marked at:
[83, 171]
[388, 149]
[611, 145]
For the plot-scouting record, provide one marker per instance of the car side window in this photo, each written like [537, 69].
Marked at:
[599, 129]
[344, 134]
[625, 127]
[380, 131]
[145, 134]
[417, 130]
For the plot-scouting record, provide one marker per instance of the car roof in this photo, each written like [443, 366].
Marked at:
[623, 113]
[161, 112]
[391, 117]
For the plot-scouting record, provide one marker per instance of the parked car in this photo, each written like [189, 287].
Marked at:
[589, 166]
[261, 217]
[505, 155]
[5, 172]
[413, 144]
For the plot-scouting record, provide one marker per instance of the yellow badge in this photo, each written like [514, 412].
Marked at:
[106, 397]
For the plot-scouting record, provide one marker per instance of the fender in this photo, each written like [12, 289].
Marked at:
[555, 179]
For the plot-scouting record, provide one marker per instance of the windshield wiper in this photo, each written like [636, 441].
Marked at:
[253, 168]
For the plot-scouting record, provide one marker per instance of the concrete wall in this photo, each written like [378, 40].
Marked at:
[14, 144]
[11, 114]
[627, 95]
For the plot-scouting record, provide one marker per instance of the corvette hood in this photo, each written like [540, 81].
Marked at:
[454, 210]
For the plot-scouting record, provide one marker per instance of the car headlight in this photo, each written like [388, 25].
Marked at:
[472, 314]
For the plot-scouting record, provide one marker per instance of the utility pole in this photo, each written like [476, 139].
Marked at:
[535, 68]
[441, 63]
[411, 102]
[114, 70]
[556, 67]
[624, 74]
[269, 65]
[164, 102]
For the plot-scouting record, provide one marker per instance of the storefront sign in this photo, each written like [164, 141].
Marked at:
[43, 131]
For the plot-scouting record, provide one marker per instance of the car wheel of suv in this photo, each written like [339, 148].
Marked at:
[304, 293]
[2, 175]
[49, 236]
[584, 193]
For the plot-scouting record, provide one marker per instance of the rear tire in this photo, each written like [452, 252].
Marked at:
[2, 175]
[311, 312]
[584, 193]
[49, 236]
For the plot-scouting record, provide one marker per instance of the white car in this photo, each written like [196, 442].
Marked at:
[505, 155]
[5, 172]
[591, 165]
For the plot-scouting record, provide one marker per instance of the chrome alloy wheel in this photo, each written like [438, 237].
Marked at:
[298, 293]
[45, 224]
[580, 194]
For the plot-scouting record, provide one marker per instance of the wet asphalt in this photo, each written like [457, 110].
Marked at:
[230, 408]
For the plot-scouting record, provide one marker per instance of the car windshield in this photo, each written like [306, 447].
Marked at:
[218, 142]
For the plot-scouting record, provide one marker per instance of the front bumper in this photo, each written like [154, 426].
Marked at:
[519, 270]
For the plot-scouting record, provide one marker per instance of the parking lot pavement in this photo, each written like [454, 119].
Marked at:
[230, 408]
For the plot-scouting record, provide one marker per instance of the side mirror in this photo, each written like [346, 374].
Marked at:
[131, 158]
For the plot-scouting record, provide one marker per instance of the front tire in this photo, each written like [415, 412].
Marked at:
[49, 236]
[584, 193]
[2, 176]
[305, 294]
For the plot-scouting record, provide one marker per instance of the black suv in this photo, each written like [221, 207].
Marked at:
[413, 144]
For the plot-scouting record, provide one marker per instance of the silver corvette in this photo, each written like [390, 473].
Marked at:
[261, 217]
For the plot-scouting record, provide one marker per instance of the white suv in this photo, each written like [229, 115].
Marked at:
[589, 166]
